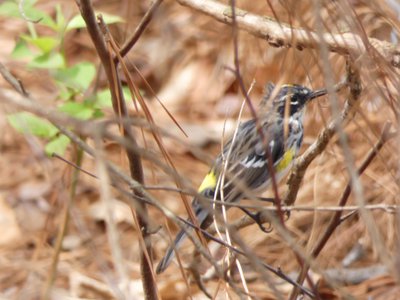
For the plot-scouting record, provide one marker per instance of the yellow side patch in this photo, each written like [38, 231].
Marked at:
[286, 160]
[209, 182]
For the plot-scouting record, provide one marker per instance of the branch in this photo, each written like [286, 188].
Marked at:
[135, 163]
[139, 30]
[279, 34]
[302, 162]
[14, 82]
[336, 219]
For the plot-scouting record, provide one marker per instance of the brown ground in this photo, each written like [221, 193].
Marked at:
[185, 56]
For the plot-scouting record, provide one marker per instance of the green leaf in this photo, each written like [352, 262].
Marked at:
[78, 22]
[127, 93]
[27, 12]
[48, 61]
[65, 93]
[60, 19]
[77, 110]
[103, 97]
[21, 50]
[57, 145]
[27, 123]
[97, 113]
[9, 9]
[78, 77]
[44, 43]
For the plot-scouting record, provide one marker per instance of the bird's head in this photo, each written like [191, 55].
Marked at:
[291, 98]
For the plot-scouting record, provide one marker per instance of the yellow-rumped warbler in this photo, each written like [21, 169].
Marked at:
[244, 159]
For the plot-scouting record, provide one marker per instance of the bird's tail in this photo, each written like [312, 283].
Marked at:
[170, 254]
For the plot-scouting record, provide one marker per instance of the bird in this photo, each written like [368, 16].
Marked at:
[244, 158]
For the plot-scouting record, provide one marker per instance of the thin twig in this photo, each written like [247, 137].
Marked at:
[247, 221]
[336, 219]
[303, 161]
[52, 273]
[268, 155]
[131, 41]
[111, 229]
[277, 272]
[251, 107]
[12, 80]
[354, 85]
[74, 165]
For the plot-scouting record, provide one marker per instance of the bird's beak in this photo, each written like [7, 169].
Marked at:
[317, 93]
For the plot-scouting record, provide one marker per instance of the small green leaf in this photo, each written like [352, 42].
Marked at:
[9, 9]
[78, 77]
[97, 113]
[57, 145]
[60, 19]
[27, 123]
[26, 12]
[44, 43]
[65, 93]
[127, 93]
[103, 98]
[48, 61]
[78, 22]
[21, 50]
[77, 110]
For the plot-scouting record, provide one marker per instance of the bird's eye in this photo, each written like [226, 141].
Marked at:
[293, 99]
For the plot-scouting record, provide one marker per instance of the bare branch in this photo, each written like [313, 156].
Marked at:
[279, 34]
[336, 219]
[302, 162]
[135, 164]
[139, 30]
[14, 82]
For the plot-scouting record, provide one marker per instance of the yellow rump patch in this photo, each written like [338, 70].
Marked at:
[209, 182]
[286, 160]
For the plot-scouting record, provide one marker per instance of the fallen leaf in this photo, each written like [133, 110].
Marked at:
[10, 230]
[121, 211]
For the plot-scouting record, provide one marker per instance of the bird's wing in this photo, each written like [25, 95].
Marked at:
[247, 166]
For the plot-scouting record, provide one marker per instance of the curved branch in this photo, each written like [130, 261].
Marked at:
[279, 34]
